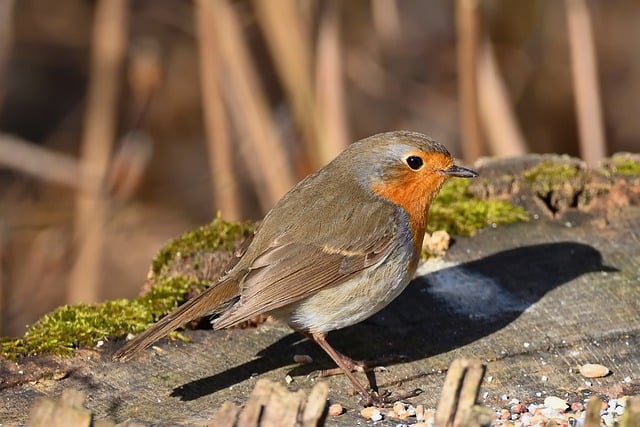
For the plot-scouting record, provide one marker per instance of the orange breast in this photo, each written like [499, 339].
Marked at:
[414, 193]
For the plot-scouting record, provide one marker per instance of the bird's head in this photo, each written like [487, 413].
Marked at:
[406, 168]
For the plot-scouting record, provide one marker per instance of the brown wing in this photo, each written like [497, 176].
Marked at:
[290, 270]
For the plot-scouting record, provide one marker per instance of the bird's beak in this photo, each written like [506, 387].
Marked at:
[460, 172]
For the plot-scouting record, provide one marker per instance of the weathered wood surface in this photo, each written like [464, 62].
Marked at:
[533, 301]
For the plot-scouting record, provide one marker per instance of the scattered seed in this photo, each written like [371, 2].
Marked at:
[302, 358]
[556, 403]
[391, 414]
[518, 408]
[158, 350]
[399, 408]
[371, 413]
[411, 411]
[505, 414]
[577, 406]
[336, 409]
[420, 412]
[594, 370]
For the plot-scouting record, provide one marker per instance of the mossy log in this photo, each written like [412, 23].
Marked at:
[533, 300]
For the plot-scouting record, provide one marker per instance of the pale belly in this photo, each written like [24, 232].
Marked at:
[354, 300]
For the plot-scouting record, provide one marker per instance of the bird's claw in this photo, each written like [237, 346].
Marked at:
[386, 398]
[324, 373]
[373, 398]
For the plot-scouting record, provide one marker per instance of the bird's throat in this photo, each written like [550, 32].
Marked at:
[414, 196]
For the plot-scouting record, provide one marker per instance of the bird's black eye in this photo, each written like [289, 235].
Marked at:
[414, 162]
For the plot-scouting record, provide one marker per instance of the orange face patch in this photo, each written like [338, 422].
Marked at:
[414, 190]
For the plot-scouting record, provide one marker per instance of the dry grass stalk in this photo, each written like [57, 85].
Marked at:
[386, 20]
[45, 164]
[467, 28]
[145, 77]
[504, 135]
[330, 82]
[224, 184]
[291, 50]
[109, 42]
[585, 82]
[6, 40]
[3, 264]
[129, 165]
[269, 168]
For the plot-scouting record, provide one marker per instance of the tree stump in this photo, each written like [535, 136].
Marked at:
[533, 301]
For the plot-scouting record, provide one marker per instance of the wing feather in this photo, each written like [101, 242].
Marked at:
[289, 270]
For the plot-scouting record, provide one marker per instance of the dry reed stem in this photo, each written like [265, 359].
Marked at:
[269, 167]
[386, 20]
[144, 74]
[226, 195]
[330, 91]
[585, 82]
[45, 164]
[108, 42]
[504, 136]
[467, 28]
[291, 50]
[6, 41]
[129, 165]
[3, 263]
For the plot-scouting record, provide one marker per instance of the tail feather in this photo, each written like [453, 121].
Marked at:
[196, 307]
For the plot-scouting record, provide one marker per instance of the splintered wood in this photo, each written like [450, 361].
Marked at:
[457, 406]
[69, 411]
[272, 405]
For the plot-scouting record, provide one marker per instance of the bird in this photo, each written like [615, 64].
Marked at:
[338, 247]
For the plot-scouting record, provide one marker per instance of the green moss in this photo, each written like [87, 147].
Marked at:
[624, 165]
[70, 327]
[218, 234]
[459, 212]
[548, 175]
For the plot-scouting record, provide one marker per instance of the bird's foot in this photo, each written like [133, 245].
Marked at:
[386, 398]
[373, 398]
[356, 366]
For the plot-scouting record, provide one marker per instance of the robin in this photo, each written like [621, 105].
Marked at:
[337, 248]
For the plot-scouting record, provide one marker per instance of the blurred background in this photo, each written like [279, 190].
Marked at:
[124, 123]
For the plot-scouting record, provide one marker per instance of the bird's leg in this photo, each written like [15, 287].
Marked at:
[359, 365]
[351, 364]
[347, 365]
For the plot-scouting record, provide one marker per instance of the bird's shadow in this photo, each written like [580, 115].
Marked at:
[439, 311]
